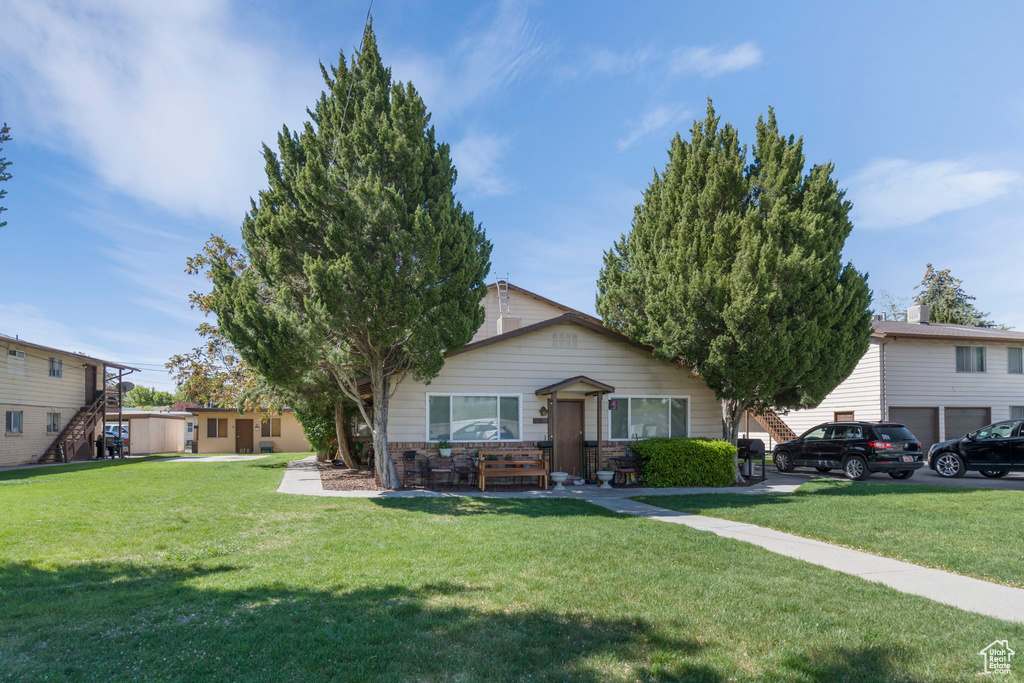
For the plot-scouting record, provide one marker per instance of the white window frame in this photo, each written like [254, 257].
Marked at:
[1009, 352]
[56, 367]
[50, 423]
[629, 412]
[21, 422]
[972, 357]
[426, 421]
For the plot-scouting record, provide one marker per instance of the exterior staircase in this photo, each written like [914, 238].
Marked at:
[774, 425]
[76, 437]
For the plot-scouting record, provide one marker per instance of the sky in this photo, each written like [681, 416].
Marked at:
[138, 127]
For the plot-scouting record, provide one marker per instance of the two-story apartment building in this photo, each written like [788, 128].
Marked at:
[52, 402]
[940, 380]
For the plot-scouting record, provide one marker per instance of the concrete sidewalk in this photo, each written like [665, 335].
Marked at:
[973, 595]
[301, 477]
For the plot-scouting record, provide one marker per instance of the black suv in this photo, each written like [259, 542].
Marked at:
[993, 450]
[859, 448]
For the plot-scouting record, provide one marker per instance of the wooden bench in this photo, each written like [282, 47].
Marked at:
[522, 464]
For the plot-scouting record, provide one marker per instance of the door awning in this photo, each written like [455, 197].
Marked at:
[577, 383]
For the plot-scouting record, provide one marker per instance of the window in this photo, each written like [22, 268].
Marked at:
[56, 367]
[271, 427]
[216, 427]
[816, 434]
[53, 423]
[1017, 412]
[15, 362]
[643, 417]
[189, 427]
[1015, 360]
[1003, 430]
[473, 417]
[12, 424]
[970, 359]
[847, 432]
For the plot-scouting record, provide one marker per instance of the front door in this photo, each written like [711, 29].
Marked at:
[568, 436]
[243, 436]
[90, 384]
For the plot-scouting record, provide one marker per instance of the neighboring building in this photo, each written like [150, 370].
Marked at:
[540, 371]
[152, 431]
[940, 380]
[225, 430]
[52, 401]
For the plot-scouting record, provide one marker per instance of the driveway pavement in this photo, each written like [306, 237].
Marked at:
[1014, 481]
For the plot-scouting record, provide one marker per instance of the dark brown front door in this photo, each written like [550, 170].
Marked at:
[243, 436]
[90, 384]
[568, 436]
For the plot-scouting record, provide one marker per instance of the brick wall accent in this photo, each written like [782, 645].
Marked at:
[609, 449]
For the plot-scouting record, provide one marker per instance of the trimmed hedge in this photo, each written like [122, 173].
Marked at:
[686, 462]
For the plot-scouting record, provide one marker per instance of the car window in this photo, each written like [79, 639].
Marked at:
[894, 433]
[1001, 430]
[816, 434]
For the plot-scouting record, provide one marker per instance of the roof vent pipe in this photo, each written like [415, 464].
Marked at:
[919, 314]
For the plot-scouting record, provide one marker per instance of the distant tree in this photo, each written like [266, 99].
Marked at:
[947, 300]
[894, 307]
[140, 396]
[363, 264]
[5, 136]
[735, 269]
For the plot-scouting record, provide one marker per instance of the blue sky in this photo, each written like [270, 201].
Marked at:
[138, 127]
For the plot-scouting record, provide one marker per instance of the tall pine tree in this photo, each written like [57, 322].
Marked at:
[947, 300]
[362, 262]
[736, 269]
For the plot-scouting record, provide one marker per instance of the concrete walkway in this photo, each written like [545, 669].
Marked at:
[973, 595]
[301, 477]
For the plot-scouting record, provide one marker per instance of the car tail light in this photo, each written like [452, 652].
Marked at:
[881, 445]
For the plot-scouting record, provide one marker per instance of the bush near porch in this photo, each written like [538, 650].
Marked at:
[686, 462]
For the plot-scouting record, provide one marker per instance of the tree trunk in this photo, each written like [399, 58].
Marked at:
[380, 385]
[732, 412]
[342, 435]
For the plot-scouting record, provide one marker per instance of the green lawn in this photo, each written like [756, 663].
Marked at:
[977, 532]
[144, 570]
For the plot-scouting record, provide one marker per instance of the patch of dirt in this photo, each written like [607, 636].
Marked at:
[341, 479]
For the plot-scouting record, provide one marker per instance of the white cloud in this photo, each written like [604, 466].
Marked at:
[605, 61]
[163, 100]
[488, 58]
[476, 157]
[656, 119]
[709, 62]
[891, 193]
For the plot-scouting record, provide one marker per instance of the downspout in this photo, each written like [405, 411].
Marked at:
[883, 398]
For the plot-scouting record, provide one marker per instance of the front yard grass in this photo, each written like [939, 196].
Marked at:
[144, 570]
[976, 532]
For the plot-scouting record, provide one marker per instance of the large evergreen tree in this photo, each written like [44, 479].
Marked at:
[947, 300]
[735, 269]
[362, 262]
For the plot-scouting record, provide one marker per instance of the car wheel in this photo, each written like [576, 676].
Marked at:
[856, 468]
[783, 461]
[994, 474]
[823, 469]
[901, 474]
[950, 465]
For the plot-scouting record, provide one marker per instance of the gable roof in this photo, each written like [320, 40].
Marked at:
[578, 379]
[73, 354]
[895, 329]
[545, 300]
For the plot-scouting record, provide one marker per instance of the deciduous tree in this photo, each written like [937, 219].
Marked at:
[5, 136]
[733, 266]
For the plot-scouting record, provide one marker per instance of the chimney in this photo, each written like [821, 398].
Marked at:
[507, 324]
[878, 317]
[919, 314]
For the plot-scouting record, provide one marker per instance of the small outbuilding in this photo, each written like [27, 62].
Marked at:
[151, 431]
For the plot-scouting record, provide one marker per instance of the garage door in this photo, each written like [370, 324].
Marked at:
[922, 423]
[960, 421]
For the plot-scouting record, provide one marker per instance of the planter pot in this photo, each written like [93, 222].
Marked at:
[604, 478]
[445, 452]
[558, 478]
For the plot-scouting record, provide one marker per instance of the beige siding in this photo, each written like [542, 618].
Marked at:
[26, 386]
[526, 363]
[860, 393]
[152, 434]
[922, 373]
[526, 308]
[292, 439]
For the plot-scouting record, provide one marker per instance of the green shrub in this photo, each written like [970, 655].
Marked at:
[686, 462]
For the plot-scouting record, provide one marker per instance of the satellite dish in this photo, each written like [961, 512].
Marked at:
[127, 386]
